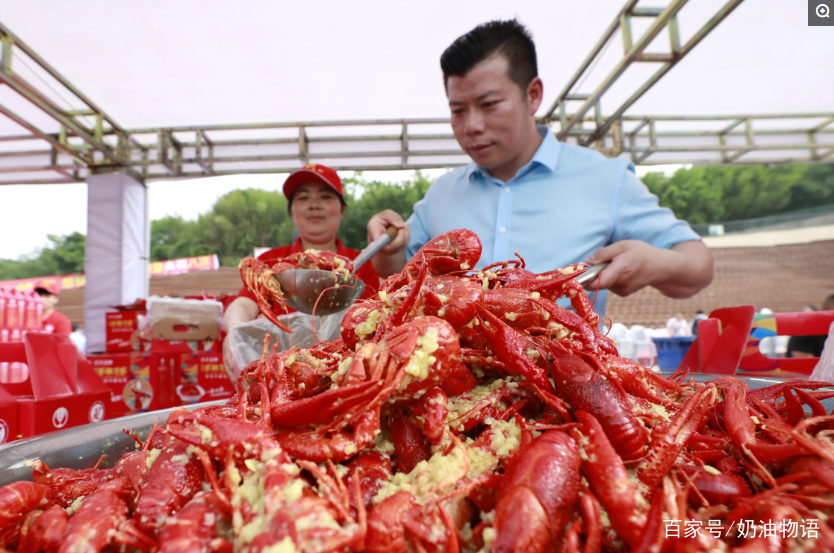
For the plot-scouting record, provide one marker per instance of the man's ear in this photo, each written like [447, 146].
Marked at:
[535, 94]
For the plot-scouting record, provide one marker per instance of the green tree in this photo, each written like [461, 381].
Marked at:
[754, 190]
[690, 193]
[814, 188]
[172, 238]
[366, 198]
[241, 221]
[731, 193]
[64, 256]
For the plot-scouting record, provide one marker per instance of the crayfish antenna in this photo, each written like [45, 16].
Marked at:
[211, 476]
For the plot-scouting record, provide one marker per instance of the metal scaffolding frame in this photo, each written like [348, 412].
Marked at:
[79, 139]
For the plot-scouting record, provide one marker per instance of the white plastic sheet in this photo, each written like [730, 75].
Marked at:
[186, 311]
[246, 340]
[824, 371]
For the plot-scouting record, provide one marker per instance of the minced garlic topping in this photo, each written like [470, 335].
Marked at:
[429, 479]
[422, 359]
[368, 326]
[151, 457]
[284, 546]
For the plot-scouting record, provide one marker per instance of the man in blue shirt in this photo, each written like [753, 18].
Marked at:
[553, 203]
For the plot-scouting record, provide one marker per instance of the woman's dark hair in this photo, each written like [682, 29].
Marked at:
[507, 38]
[289, 202]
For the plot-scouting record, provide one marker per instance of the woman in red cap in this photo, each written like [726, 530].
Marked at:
[317, 204]
[53, 321]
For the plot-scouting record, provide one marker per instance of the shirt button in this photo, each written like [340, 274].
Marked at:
[503, 229]
[506, 189]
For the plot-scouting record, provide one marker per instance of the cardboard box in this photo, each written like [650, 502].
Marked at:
[8, 417]
[122, 331]
[138, 382]
[175, 329]
[162, 345]
[180, 325]
[62, 391]
[203, 378]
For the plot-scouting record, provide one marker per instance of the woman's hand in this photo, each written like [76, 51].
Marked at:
[391, 258]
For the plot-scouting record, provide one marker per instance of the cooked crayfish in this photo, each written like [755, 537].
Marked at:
[462, 410]
[260, 278]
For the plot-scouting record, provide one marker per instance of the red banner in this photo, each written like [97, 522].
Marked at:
[184, 265]
[157, 268]
[61, 282]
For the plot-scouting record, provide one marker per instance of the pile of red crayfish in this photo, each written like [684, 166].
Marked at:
[461, 410]
[260, 278]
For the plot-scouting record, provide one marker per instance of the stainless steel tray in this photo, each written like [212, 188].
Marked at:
[80, 447]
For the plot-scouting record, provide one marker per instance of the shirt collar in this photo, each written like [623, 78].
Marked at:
[296, 247]
[546, 156]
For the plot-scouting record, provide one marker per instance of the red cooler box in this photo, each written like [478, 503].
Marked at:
[8, 417]
[62, 391]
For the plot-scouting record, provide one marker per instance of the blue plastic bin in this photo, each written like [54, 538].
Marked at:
[670, 351]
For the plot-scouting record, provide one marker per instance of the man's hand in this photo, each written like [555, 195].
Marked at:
[678, 272]
[391, 258]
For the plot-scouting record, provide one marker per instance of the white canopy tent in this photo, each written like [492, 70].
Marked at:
[167, 76]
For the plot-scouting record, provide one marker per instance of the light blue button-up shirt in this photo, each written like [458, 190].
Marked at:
[564, 205]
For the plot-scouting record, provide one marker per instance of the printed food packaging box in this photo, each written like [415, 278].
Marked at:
[62, 389]
[122, 331]
[203, 378]
[138, 382]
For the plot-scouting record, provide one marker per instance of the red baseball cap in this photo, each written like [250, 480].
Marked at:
[314, 172]
[48, 286]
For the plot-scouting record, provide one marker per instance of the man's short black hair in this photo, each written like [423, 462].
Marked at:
[507, 38]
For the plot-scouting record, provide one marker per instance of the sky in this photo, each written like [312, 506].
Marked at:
[162, 63]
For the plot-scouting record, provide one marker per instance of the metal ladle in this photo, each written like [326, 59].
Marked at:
[303, 287]
[592, 272]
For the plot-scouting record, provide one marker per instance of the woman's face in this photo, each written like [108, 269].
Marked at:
[317, 212]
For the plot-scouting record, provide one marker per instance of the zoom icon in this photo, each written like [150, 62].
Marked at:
[819, 13]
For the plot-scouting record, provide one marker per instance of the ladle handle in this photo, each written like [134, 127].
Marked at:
[592, 272]
[381, 241]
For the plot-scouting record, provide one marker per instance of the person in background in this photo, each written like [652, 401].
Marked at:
[316, 204]
[53, 321]
[809, 346]
[677, 326]
[78, 338]
[693, 324]
[552, 202]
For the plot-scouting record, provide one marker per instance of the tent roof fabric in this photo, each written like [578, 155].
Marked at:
[154, 63]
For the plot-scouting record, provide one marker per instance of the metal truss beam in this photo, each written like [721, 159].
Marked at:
[89, 141]
[81, 128]
[199, 151]
[633, 52]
